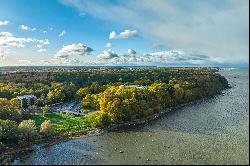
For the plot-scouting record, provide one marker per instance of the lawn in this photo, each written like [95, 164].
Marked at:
[63, 123]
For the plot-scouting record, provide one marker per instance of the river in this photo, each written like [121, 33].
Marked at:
[214, 131]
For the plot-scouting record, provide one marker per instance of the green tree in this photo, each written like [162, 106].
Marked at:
[45, 109]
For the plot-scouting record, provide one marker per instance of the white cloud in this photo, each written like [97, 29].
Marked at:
[8, 40]
[210, 27]
[107, 55]
[62, 33]
[112, 35]
[39, 46]
[172, 57]
[75, 61]
[44, 32]
[43, 42]
[108, 45]
[5, 22]
[26, 28]
[41, 50]
[3, 53]
[74, 50]
[122, 35]
[131, 51]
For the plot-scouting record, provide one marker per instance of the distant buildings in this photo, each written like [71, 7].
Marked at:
[26, 101]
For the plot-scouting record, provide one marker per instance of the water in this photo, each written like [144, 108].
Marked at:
[214, 131]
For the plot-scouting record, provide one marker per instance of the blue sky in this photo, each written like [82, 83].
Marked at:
[139, 32]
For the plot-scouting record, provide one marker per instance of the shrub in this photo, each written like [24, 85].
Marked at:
[11, 113]
[45, 109]
[46, 128]
[98, 118]
[8, 130]
[27, 130]
[86, 111]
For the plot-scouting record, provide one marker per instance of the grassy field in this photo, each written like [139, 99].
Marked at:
[63, 123]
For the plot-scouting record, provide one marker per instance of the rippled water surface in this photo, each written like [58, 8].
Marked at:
[214, 131]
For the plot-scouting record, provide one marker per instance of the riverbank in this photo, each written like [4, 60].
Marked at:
[9, 153]
[12, 152]
[163, 113]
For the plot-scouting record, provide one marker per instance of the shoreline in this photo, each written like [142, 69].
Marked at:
[11, 153]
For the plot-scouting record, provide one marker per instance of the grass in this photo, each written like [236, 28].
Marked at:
[63, 123]
[86, 111]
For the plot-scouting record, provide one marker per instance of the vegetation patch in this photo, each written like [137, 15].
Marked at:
[63, 123]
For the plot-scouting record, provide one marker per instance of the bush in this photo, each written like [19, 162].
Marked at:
[10, 113]
[98, 118]
[86, 111]
[27, 130]
[46, 128]
[8, 130]
[45, 109]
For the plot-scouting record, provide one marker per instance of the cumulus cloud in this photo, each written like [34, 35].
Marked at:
[39, 46]
[62, 33]
[3, 53]
[5, 22]
[8, 40]
[165, 58]
[42, 50]
[74, 50]
[210, 27]
[75, 61]
[26, 28]
[107, 55]
[131, 51]
[122, 35]
[112, 35]
[108, 45]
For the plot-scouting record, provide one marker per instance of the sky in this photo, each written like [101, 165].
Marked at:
[118, 32]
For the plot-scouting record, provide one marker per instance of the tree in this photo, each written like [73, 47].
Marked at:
[14, 102]
[46, 128]
[27, 130]
[45, 109]
[4, 102]
[82, 93]
[55, 95]
[8, 130]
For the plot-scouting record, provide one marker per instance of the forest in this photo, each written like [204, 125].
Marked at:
[107, 96]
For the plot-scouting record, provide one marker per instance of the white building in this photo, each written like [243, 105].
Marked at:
[26, 101]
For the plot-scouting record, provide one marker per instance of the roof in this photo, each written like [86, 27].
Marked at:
[137, 86]
[26, 96]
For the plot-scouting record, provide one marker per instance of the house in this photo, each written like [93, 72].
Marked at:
[26, 101]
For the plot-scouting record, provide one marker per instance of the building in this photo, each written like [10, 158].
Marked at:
[137, 86]
[26, 101]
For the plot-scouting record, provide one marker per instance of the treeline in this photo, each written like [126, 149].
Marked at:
[118, 104]
[105, 91]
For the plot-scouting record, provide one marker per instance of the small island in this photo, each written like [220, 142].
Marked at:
[48, 105]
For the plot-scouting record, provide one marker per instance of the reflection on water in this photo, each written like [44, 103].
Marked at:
[214, 131]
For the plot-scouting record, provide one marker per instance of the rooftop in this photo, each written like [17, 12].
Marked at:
[26, 96]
